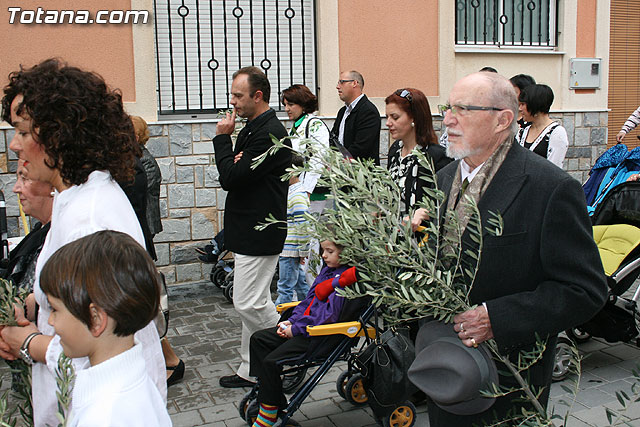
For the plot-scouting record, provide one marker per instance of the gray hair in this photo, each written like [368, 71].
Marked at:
[502, 95]
[357, 77]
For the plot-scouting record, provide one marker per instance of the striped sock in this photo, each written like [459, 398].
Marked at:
[267, 416]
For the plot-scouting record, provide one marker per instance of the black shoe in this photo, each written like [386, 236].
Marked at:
[234, 381]
[178, 373]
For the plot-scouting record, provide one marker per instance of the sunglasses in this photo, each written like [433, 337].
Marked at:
[403, 93]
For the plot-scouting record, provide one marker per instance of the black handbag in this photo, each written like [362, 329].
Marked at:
[384, 364]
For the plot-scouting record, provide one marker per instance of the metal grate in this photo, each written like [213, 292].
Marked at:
[530, 23]
[201, 43]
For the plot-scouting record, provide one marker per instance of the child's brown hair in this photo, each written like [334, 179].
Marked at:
[109, 269]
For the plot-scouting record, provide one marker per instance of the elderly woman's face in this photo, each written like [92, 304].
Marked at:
[35, 196]
[24, 144]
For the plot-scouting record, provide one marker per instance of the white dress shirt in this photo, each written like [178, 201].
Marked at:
[348, 111]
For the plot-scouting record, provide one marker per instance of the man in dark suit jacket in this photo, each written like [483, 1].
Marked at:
[253, 195]
[360, 132]
[543, 274]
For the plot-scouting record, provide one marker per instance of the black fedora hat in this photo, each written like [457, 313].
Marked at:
[450, 373]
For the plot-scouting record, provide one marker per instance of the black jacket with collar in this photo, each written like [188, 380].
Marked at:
[254, 194]
[361, 130]
[542, 275]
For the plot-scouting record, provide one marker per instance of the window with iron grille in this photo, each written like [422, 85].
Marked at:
[518, 23]
[201, 43]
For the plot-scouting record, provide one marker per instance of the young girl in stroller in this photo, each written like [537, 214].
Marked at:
[321, 306]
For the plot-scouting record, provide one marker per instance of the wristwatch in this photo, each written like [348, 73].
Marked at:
[24, 350]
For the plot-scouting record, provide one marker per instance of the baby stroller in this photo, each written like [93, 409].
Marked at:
[616, 230]
[335, 342]
[222, 271]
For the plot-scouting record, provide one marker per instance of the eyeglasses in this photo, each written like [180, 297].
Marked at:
[341, 82]
[403, 93]
[464, 109]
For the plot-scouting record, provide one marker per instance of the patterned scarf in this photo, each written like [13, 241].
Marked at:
[478, 185]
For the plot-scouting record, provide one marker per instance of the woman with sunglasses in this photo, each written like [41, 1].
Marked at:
[409, 122]
[71, 132]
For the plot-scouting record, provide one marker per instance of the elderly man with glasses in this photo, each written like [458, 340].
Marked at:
[543, 274]
[357, 125]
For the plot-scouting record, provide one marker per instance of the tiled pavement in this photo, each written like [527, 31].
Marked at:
[205, 331]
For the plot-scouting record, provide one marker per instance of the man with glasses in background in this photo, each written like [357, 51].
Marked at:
[357, 125]
[543, 274]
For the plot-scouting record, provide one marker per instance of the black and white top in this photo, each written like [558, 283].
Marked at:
[552, 143]
[406, 172]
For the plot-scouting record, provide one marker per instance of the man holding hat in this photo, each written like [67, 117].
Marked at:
[542, 275]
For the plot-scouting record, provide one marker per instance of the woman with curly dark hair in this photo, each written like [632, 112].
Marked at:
[70, 131]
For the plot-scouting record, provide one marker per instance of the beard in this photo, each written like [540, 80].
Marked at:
[460, 150]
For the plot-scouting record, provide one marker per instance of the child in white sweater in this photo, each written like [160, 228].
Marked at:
[102, 289]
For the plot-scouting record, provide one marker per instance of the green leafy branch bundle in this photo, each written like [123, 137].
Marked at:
[65, 378]
[11, 295]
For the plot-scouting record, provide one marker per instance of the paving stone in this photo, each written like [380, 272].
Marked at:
[598, 136]
[167, 169]
[155, 130]
[199, 175]
[222, 198]
[180, 213]
[593, 397]
[189, 418]
[180, 139]
[623, 351]
[219, 413]
[203, 147]
[205, 197]
[174, 230]
[203, 223]
[208, 131]
[162, 252]
[181, 195]
[211, 176]
[192, 160]
[581, 137]
[356, 418]
[184, 174]
[183, 253]
[195, 132]
[158, 147]
[193, 401]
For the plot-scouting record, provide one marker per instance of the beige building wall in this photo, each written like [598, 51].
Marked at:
[392, 47]
[122, 53]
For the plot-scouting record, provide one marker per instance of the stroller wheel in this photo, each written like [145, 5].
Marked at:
[244, 403]
[564, 359]
[355, 392]
[402, 416]
[218, 275]
[578, 335]
[251, 413]
[341, 383]
[291, 381]
[228, 291]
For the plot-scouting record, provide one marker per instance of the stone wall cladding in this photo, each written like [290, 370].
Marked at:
[192, 202]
